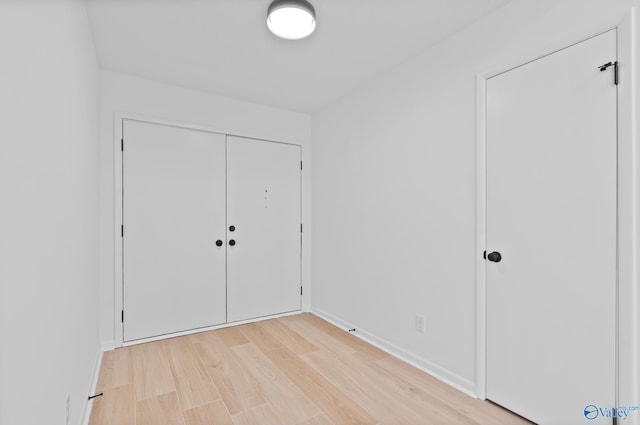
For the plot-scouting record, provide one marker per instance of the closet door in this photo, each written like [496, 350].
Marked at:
[263, 228]
[174, 237]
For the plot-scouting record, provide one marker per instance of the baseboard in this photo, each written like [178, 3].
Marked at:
[462, 384]
[86, 410]
[208, 328]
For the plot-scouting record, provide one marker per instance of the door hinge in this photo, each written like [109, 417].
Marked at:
[615, 70]
[122, 230]
[300, 227]
[122, 145]
[121, 316]
[301, 165]
[301, 290]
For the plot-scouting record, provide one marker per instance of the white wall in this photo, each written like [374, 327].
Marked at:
[127, 94]
[394, 185]
[49, 213]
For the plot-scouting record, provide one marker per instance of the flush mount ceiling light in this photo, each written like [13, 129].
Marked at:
[291, 19]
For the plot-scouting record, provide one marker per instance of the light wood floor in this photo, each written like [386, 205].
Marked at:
[297, 370]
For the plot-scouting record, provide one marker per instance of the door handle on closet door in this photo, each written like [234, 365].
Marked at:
[495, 256]
[218, 242]
[232, 242]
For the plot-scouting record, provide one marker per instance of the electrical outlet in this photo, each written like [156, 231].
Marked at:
[419, 324]
[68, 408]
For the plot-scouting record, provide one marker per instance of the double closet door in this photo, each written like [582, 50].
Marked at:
[211, 229]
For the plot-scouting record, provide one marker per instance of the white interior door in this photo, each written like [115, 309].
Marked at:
[263, 218]
[173, 214]
[551, 214]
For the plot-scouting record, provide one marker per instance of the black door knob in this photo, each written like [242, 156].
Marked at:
[232, 228]
[494, 256]
[218, 242]
[232, 242]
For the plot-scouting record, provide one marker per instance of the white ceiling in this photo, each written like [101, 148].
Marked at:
[224, 46]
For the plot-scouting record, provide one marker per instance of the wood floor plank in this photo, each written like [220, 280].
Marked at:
[357, 344]
[151, 371]
[260, 337]
[164, 409]
[364, 389]
[414, 398]
[287, 337]
[260, 415]
[334, 403]
[209, 414]
[231, 380]
[317, 420]
[115, 407]
[116, 369]
[286, 399]
[232, 336]
[482, 412]
[314, 335]
[193, 384]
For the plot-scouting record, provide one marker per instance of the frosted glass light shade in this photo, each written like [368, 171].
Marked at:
[291, 19]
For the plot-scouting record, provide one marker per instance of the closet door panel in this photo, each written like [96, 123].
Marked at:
[263, 228]
[173, 214]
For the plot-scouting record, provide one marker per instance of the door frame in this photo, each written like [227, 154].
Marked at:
[628, 208]
[118, 276]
